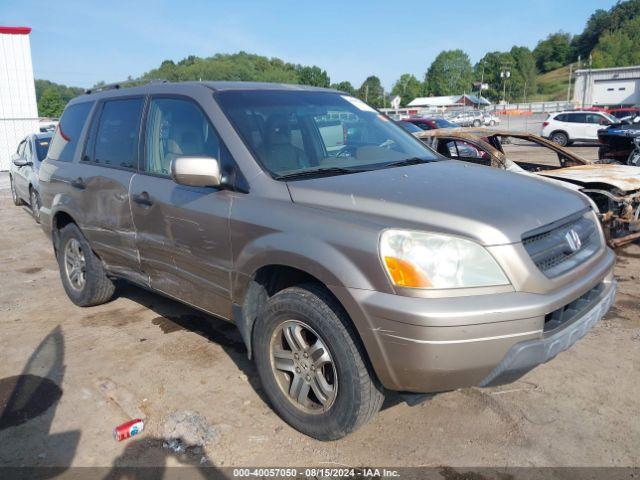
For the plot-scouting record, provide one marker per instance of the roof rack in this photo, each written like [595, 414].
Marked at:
[123, 84]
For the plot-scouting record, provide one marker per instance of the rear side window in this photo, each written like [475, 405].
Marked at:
[563, 117]
[116, 138]
[68, 132]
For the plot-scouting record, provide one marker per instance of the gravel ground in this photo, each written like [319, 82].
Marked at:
[73, 374]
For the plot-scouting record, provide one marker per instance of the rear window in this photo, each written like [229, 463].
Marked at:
[68, 132]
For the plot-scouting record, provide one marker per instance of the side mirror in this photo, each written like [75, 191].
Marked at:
[196, 171]
[20, 162]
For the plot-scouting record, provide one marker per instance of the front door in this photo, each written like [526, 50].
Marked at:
[182, 232]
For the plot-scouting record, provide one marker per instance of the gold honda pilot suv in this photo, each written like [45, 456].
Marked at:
[352, 258]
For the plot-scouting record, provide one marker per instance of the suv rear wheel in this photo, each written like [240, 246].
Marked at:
[560, 138]
[311, 365]
[81, 271]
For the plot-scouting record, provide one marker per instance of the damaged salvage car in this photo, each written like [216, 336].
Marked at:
[614, 189]
[352, 258]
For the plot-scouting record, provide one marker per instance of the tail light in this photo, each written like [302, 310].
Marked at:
[544, 124]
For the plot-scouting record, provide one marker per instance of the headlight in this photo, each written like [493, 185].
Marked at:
[430, 260]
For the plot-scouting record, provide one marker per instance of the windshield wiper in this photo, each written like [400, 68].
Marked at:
[319, 172]
[407, 161]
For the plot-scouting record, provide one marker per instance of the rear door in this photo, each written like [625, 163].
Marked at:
[182, 232]
[102, 179]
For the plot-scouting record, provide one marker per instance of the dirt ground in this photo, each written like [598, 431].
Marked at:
[74, 374]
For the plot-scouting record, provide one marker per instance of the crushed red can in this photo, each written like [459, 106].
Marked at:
[128, 429]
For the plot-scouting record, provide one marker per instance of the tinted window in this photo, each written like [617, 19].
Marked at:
[578, 118]
[178, 128]
[116, 142]
[562, 117]
[268, 122]
[442, 123]
[42, 147]
[410, 127]
[68, 132]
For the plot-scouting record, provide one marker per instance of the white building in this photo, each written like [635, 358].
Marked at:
[607, 87]
[18, 108]
[449, 101]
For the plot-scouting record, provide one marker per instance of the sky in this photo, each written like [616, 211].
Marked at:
[79, 43]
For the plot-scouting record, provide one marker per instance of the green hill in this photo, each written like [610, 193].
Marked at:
[552, 86]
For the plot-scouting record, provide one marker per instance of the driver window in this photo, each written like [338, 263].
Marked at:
[177, 128]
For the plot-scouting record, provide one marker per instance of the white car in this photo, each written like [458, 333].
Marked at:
[565, 128]
[490, 119]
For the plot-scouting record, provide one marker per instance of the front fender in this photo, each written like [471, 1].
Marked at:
[318, 258]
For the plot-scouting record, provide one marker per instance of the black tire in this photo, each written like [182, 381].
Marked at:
[97, 288]
[34, 203]
[477, 123]
[17, 201]
[602, 150]
[358, 395]
[560, 138]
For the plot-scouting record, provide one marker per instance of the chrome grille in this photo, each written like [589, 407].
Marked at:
[561, 246]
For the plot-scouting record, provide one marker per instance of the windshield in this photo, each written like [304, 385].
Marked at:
[294, 133]
[42, 147]
[610, 117]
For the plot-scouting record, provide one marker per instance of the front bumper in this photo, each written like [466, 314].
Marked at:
[439, 344]
[524, 356]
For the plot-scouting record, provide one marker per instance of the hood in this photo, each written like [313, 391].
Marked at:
[489, 205]
[623, 177]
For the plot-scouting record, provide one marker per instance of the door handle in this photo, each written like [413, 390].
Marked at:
[142, 198]
[79, 183]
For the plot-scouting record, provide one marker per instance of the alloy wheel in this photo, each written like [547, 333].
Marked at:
[75, 264]
[303, 367]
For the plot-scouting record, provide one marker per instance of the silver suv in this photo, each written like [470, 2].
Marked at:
[351, 263]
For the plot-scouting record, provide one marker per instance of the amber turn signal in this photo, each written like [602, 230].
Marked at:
[405, 274]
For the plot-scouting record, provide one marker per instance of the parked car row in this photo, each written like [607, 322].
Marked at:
[353, 258]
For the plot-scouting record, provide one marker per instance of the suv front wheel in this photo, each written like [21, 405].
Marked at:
[81, 271]
[311, 365]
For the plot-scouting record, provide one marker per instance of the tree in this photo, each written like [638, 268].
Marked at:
[619, 48]
[371, 91]
[312, 76]
[51, 104]
[553, 52]
[449, 74]
[493, 64]
[408, 87]
[525, 64]
[344, 87]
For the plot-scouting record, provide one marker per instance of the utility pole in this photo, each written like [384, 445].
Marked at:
[366, 92]
[569, 87]
[504, 75]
